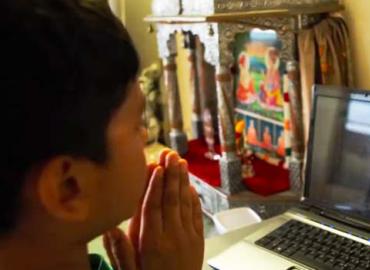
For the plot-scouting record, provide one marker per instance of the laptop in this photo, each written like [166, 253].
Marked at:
[330, 229]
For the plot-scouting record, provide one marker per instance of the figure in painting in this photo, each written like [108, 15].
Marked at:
[245, 93]
[271, 91]
[267, 139]
[252, 134]
[281, 145]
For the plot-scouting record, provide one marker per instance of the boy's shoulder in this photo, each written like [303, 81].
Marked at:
[97, 262]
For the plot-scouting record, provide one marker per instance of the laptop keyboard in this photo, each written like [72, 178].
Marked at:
[316, 248]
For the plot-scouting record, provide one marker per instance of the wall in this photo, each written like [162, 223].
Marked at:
[135, 11]
[358, 19]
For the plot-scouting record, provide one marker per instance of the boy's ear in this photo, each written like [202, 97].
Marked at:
[63, 189]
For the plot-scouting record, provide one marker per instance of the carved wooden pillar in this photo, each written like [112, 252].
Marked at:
[230, 164]
[196, 118]
[294, 91]
[178, 138]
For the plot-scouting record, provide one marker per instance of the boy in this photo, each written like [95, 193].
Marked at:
[72, 163]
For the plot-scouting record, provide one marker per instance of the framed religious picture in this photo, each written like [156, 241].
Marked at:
[259, 89]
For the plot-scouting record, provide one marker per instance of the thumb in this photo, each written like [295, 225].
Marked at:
[119, 250]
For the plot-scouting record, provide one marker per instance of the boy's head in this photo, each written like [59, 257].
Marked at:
[71, 142]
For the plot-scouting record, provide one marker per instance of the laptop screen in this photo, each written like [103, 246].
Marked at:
[338, 164]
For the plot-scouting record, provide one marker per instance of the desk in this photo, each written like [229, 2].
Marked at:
[216, 245]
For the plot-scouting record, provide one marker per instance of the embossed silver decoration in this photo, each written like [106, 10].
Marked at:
[191, 7]
[207, 7]
[231, 172]
[211, 53]
[221, 6]
[166, 7]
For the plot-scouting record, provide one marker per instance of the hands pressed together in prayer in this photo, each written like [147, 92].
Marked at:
[167, 231]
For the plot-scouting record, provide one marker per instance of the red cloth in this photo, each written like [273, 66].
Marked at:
[205, 169]
[268, 179]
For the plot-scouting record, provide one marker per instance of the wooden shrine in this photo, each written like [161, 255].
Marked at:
[211, 29]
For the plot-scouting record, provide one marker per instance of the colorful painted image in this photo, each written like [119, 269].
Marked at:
[252, 131]
[260, 73]
[267, 135]
[262, 135]
[280, 141]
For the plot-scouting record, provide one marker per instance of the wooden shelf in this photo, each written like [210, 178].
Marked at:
[238, 16]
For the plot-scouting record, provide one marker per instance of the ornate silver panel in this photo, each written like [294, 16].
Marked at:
[206, 7]
[245, 5]
[218, 38]
[211, 54]
[166, 7]
[283, 24]
[198, 7]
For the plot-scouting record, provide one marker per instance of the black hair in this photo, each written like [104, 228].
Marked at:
[65, 68]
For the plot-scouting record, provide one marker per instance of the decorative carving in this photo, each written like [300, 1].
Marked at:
[177, 136]
[211, 53]
[230, 164]
[171, 84]
[218, 46]
[245, 5]
[294, 92]
[207, 7]
[227, 33]
[231, 174]
[166, 7]
[225, 109]
[204, 7]
[189, 44]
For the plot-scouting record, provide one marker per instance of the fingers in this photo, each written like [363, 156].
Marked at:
[119, 250]
[171, 196]
[134, 228]
[185, 197]
[151, 167]
[108, 249]
[162, 157]
[135, 223]
[197, 213]
[152, 205]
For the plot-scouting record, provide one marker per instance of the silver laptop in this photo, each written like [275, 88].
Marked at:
[331, 228]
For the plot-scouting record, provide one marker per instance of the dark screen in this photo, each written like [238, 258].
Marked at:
[340, 167]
